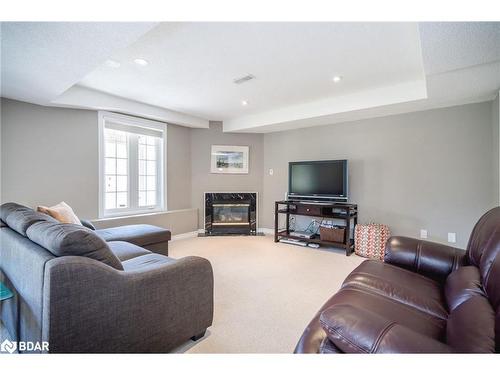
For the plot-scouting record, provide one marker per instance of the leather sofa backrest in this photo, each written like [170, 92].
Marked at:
[471, 323]
[484, 242]
[483, 251]
[491, 285]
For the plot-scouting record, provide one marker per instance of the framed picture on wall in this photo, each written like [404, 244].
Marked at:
[229, 159]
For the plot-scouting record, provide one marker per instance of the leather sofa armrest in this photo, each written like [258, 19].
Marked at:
[360, 331]
[87, 223]
[429, 259]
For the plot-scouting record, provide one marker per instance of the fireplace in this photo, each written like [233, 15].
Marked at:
[230, 213]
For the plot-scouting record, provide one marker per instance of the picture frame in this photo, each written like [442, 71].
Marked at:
[229, 159]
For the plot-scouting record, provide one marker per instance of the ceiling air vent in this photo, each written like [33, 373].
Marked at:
[244, 79]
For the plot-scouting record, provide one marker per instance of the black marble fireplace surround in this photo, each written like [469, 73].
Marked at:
[230, 213]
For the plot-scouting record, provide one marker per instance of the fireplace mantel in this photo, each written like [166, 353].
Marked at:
[230, 213]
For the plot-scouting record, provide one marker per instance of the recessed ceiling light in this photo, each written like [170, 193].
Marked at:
[337, 79]
[244, 102]
[141, 62]
[112, 63]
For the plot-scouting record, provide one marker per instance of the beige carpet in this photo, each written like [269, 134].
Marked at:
[265, 293]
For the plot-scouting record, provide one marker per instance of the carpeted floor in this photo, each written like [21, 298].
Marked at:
[265, 293]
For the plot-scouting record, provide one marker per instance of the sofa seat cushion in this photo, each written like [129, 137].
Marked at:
[392, 309]
[72, 239]
[314, 336]
[126, 250]
[400, 285]
[353, 330]
[138, 234]
[146, 261]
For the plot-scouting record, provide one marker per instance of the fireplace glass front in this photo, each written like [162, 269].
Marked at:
[230, 214]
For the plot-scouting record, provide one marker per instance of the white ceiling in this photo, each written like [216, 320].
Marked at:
[40, 60]
[386, 68]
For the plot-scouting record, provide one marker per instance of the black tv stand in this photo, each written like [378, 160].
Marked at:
[326, 210]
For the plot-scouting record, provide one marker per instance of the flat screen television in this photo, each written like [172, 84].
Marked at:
[318, 180]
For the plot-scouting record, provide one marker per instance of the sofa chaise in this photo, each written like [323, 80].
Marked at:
[91, 291]
[425, 298]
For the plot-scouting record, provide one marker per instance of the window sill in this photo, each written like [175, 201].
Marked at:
[141, 214]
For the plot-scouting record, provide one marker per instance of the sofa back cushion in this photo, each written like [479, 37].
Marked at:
[72, 239]
[471, 322]
[491, 283]
[462, 284]
[484, 242]
[471, 326]
[483, 251]
[20, 218]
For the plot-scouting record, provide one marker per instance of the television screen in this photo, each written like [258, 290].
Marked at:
[318, 178]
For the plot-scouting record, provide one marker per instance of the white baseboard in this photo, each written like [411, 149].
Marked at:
[183, 236]
[266, 231]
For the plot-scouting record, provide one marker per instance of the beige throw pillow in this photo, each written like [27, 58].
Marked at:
[61, 212]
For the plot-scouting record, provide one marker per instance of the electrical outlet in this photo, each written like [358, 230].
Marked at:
[423, 233]
[452, 237]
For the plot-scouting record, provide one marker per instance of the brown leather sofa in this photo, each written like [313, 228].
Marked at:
[424, 298]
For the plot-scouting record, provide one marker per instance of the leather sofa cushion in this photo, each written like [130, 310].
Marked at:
[461, 285]
[20, 218]
[353, 330]
[125, 250]
[72, 239]
[471, 326]
[139, 234]
[484, 242]
[361, 298]
[401, 285]
[415, 319]
[328, 347]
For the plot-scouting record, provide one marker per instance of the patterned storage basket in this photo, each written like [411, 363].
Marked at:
[370, 240]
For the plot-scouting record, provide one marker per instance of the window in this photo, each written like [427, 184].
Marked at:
[131, 163]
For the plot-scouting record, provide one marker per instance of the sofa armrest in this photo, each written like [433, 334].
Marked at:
[426, 258]
[87, 223]
[89, 307]
[361, 331]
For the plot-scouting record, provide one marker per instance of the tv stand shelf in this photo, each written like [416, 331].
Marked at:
[325, 210]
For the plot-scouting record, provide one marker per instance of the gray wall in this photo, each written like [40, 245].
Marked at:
[204, 181]
[178, 167]
[51, 154]
[430, 170]
[435, 169]
[495, 120]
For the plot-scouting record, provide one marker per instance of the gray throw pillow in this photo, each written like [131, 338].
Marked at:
[72, 239]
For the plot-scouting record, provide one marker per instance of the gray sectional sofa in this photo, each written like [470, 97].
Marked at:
[97, 291]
